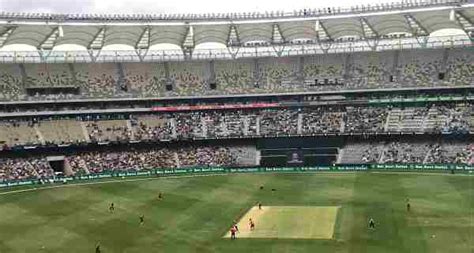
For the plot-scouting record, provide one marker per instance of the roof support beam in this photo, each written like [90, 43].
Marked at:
[143, 41]
[50, 40]
[233, 51]
[233, 39]
[368, 29]
[44, 54]
[94, 54]
[369, 33]
[416, 28]
[4, 35]
[278, 41]
[95, 46]
[98, 40]
[188, 42]
[322, 36]
[277, 37]
[322, 32]
[463, 21]
[142, 53]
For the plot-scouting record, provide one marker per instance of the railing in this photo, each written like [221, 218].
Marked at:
[90, 111]
[231, 53]
[310, 12]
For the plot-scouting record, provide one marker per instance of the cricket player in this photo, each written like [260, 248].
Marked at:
[233, 231]
[371, 223]
[142, 219]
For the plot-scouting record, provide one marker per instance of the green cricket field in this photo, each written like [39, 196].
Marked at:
[320, 212]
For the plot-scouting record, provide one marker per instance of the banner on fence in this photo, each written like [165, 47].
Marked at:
[214, 170]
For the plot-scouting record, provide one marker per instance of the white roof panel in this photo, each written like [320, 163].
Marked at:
[29, 34]
[211, 33]
[298, 30]
[82, 29]
[389, 24]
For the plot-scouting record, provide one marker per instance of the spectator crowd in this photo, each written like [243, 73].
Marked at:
[130, 160]
[375, 70]
[307, 121]
[421, 152]
[93, 162]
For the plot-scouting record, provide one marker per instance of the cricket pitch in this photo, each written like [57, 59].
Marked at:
[289, 222]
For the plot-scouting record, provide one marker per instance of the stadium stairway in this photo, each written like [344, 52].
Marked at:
[343, 124]
[340, 154]
[23, 72]
[174, 135]
[35, 172]
[73, 73]
[258, 125]
[39, 134]
[121, 82]
[84, 132]
[68, 170]
[246, 124]
[388, 121]
[425, 159]
[258, 156]
[204, 127]
[176, 158]
[130, 128]
[300, 123]
[382, 154]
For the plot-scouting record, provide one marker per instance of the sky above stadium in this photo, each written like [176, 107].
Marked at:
[170, 6]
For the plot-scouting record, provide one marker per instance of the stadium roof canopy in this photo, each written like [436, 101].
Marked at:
[313, 26]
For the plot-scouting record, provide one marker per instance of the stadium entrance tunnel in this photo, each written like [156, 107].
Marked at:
[57, 164]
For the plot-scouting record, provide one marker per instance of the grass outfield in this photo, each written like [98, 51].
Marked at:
[196, 212]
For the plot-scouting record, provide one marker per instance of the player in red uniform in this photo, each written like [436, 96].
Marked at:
[233, 231]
